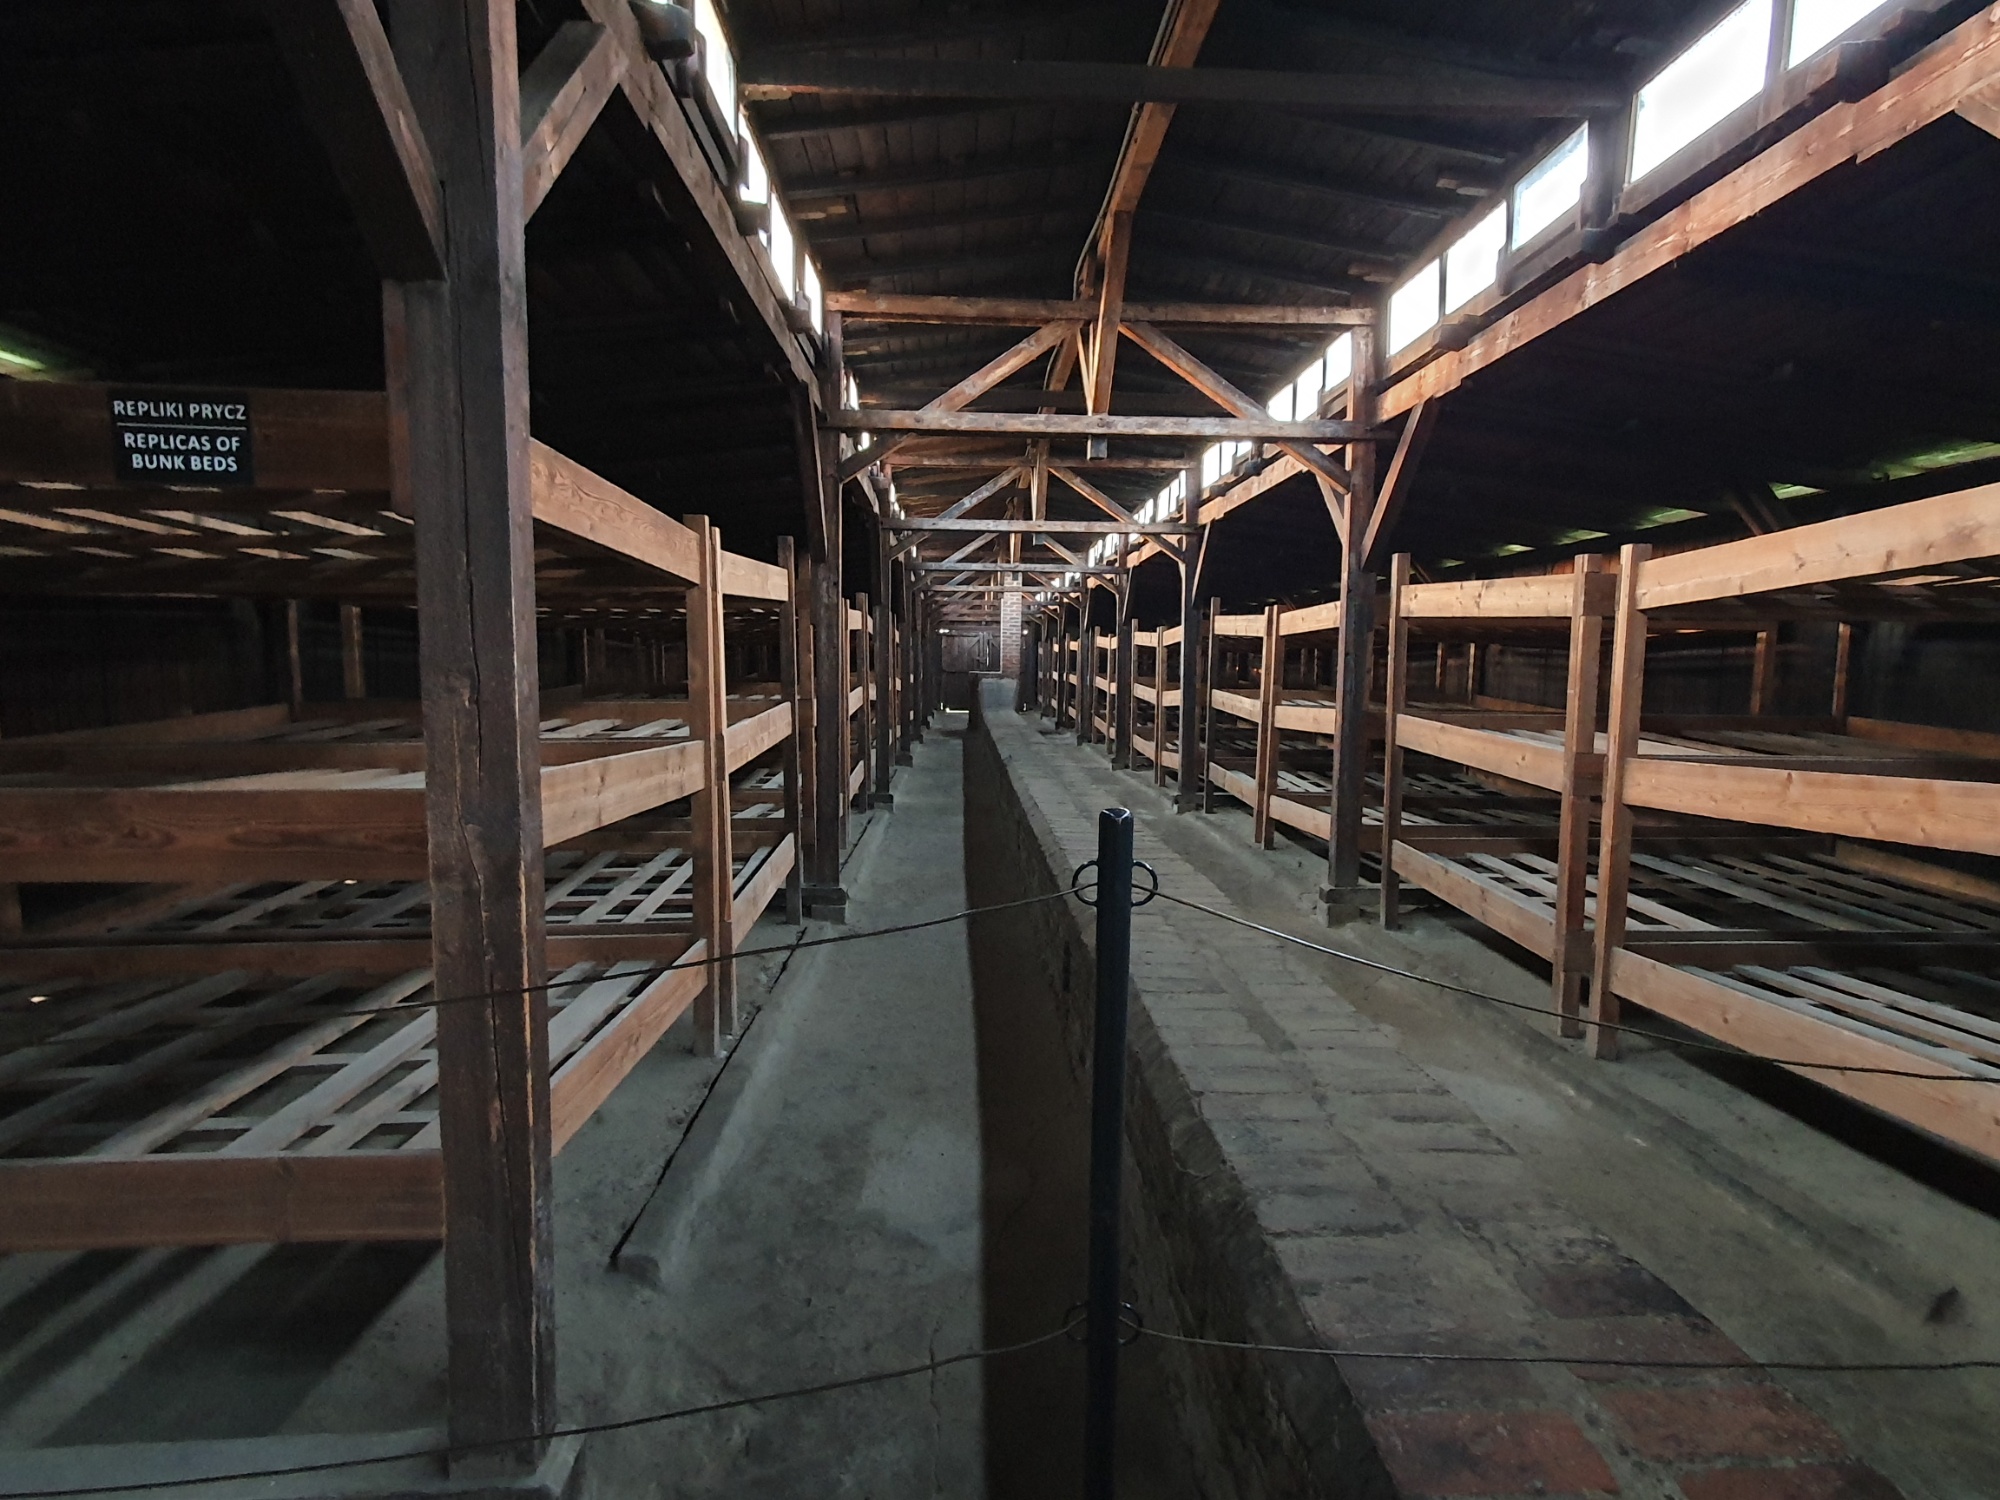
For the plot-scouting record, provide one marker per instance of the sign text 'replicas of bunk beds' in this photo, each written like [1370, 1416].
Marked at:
[199, 436]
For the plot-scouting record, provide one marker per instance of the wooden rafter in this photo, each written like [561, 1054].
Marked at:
[562, 93]
[354, 94]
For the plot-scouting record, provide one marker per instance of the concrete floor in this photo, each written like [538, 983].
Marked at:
[820, 1219]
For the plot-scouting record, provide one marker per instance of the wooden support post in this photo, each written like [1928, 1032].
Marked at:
[1843, 661]
[714, 856]
[1581, 783]
[1764, 671]
[1086, 672]
[353, 668]
[1210, 662]
[863, 643]
[1395, 694]
[824, 896]
[1472, 671]
[806, 730]
[295, 668]
[1160, 706]
[1614, 849]
[1270, 686]
[1123, 699]
[1357, 645]
[457, 356]
[790, 670]
[883, 708]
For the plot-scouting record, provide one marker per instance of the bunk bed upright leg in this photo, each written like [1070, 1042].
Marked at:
[1396, 692]
[353, 667]
[1206, 708]
[714, 872]
[789, 667]
[1614, 859]
[1763, 674]
[1160, 707]
[883, 705]
[294, 659]
[1843, 660]
[1272, 677]
[1122, 698]
[1581, 782]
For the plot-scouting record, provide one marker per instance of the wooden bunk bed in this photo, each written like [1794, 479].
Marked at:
[233, 1044]
[1738, 886]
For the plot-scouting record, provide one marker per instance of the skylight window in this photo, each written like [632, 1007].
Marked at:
[1306, 391]
[1413, 307]
[717, 65]
[756, 184]
[1282, 405]
[1718, 73]
[1818, 23]
[1211, 464]
[1338, 364]
[812, 295]
[1553, 188]
[784, 251]
[1473, 264]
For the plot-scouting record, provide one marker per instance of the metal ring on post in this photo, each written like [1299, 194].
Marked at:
[1153, 890]
[1076, 885]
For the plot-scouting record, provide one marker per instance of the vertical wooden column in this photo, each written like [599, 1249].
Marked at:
[1192, 772]
[1764, 671]
[1211, 665]
[864, 671]
[806, 727]
[1395, 694]
[294, 658]
[1843, 661]
[884, 673]
[714, 856]
[353, 667]
[1271, 682]
[1086, 667]
[1124, 702]
[789, 675]
[1582, 779]
[1357, 645]
[1614, 849]
[1472, 672]
[829, 691]
[457, 357]
[1160, 679]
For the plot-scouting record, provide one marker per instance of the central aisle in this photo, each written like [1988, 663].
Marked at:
[822, 1219]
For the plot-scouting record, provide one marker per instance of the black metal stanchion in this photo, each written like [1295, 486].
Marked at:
[1107, 1147]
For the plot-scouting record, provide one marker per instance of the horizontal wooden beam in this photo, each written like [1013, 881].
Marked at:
[111, 960]
[1460, 97]
[217, 1198]
[1043, 565]
[1035, 424]
[1030, 527]
[1030, 312]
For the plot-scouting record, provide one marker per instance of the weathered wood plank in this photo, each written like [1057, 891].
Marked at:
[72, 1204]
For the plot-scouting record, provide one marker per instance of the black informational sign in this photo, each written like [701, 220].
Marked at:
[176, 437]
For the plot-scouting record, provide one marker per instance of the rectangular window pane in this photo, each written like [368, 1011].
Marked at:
[1339, 363]
[1553, 188]
[1281, 405]
[1473, 264]
[1306, 390]
[1718, 73]
[784, 252]
[812, 295]
[1818, 22]
[1211, 464]
[717, 66]
[756, 185]
[1413, 308]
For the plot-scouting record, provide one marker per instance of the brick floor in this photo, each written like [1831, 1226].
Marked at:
[1394, 1219]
